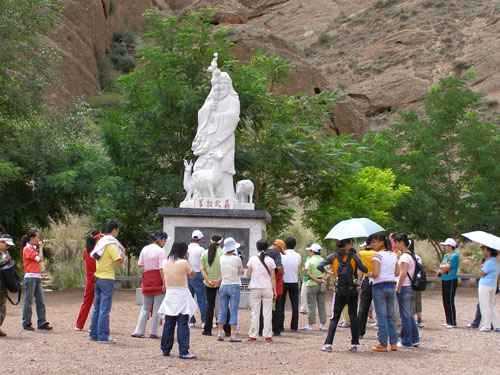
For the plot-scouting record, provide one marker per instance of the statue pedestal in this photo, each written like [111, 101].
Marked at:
[217, 204]
[244, 225]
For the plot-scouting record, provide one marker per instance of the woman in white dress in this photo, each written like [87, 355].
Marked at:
[178, 305]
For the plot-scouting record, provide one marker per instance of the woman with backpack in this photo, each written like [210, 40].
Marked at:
[385, 269]
[344, 266]
[90, 266]
[405, 293]
[262, 285]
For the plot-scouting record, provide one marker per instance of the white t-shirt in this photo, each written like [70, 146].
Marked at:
[194, 256]
[230, 269]
[387, 260]
[291, 263]
[260, 277]
[152, 257]
[406, 258]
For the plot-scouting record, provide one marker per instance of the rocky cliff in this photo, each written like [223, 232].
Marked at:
[383, 54]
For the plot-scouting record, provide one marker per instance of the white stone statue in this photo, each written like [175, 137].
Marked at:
[211, 176]
[244, 191]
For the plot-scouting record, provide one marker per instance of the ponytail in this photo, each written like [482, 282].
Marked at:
[402, 237]
[215, 241]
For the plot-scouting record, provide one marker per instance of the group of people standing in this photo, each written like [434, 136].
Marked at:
[381, 275]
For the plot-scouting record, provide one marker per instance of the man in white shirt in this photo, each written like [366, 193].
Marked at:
[291, 264]
[196, 285]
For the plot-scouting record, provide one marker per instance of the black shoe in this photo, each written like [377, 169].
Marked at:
[45, 327]
[166, 354]
[187, 356]
[28, 328]
[2, 333]
[206, 333]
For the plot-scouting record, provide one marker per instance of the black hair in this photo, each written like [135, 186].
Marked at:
[90, 241]
[262, 245]
[110, 225]
[381, 236]
[402, 237]
[212, 248]
[179, 251]
[342, 243]
[159, 236]
[291, 242]
[493, 252]
[28, 236]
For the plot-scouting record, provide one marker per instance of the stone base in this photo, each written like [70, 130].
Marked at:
[245, 226]
[217, 204]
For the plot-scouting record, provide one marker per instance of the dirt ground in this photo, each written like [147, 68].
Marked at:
[63, 351]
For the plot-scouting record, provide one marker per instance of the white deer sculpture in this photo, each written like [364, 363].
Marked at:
[188, 180]
[244, 191]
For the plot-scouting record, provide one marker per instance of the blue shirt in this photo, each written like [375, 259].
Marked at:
[491, 269]
[453, 259]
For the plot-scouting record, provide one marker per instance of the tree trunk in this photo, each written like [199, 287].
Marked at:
[437, 249]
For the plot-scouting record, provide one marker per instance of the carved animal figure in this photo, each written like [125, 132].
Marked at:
[206, 181]
[244, 191]
[188, 180]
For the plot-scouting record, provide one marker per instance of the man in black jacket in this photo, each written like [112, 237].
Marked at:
[344, 266]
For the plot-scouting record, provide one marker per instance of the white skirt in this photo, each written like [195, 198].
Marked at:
[177, 301]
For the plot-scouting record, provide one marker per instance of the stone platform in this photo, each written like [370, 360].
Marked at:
[245, 226]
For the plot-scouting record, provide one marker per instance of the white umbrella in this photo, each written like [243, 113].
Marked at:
[353, 228]
[484, 238]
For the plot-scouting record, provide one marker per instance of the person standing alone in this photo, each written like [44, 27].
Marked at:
[291, 265]
[196, 285]
[32, 260]
[151, 261]
[448, 271]
[108, 253]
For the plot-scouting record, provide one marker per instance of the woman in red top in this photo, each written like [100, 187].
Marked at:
[88, 294]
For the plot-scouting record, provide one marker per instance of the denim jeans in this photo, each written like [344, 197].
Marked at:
[99, 327]
[167, 339]
[33, 288]
[384, 297]
[229, 297]
[409, 329]
[197, 289]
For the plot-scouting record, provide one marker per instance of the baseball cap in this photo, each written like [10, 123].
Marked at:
[449, 242]
[7, 239]
[315, 248]
[230, 245]
[197, 235]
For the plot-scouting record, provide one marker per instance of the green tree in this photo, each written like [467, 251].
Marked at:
[370, 192]
[281, 142]
[449, 157]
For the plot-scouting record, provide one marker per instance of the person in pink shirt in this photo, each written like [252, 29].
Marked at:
[151, 260]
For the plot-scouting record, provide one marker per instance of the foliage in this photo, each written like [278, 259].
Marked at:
[281, 139]
[371, 192]
[449, 158]
[121, 57]
[25, 60]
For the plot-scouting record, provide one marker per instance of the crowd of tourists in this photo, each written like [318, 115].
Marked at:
[382, 280]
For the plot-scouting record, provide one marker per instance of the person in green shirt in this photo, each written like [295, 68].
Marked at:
[315, 285]
[210, 269]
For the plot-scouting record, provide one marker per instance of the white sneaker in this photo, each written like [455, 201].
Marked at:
[484, 329]
[450, 326]
[306, 328]
[322, 327]
[191, 325]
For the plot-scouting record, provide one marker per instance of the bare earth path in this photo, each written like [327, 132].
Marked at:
[63, 351]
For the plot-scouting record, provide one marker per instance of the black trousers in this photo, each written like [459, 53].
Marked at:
[448, 291]
[352, 306]
[211, 302]
[292, 289]
[279, 315]
[365, 301]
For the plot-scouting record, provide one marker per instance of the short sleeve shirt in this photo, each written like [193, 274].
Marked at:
[105, 266]
[152, 257]
[260, 277]
[230, 269]
[406, 258]
[454, 261]
[311, 268]
[491, 268]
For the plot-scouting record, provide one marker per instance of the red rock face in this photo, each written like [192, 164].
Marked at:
[382, 54]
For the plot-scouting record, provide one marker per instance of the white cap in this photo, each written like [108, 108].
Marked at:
[315, 248]
[197, 235]
[449, 242]
[230, 245]
[7, 240]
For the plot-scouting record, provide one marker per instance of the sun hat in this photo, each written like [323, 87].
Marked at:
[280, 244]
[449, 242]
[230, 245]
[7, 239]
[315, 248]
[197, 235]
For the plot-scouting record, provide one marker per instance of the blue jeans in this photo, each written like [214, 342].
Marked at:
[384, 298]
[197, 289]
[99, 327]
[167, 339]
[229, 297]
[409, 329]
[33, 289]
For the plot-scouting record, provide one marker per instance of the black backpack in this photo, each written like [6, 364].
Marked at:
[346, 284]
[10, 280]
[419, 280]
